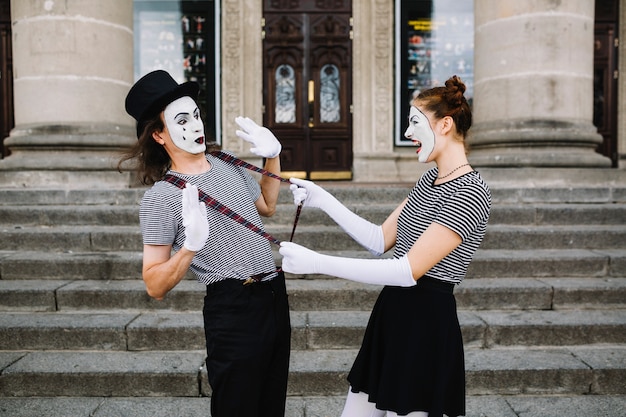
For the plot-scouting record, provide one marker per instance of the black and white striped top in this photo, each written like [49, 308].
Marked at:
[232, 250]
[462, 205]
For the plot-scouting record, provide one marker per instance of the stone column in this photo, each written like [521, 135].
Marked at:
[533, 95]
[73, 65]
[242, 71]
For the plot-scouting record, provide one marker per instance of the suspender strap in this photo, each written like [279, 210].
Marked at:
[213, 203]
[236, 161]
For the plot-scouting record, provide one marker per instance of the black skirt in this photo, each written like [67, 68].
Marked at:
[412, 356]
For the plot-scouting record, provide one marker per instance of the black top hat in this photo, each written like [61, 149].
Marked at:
[153, 92]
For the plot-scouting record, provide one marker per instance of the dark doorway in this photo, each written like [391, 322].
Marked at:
[179, 36]
[7, 121]
[605, 75]
[307, 86]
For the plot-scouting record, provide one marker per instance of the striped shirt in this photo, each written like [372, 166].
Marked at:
[232, 250]
[462, 205]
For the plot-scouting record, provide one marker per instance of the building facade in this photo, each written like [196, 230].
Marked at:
[332, 79]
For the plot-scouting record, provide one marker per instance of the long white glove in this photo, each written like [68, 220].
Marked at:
[264, 142]
[300, 260]
[367, 234]
[195, 220]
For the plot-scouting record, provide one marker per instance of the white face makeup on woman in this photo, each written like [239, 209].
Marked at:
[420, 132]
[182, 118]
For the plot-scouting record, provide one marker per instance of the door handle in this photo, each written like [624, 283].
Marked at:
[311, 100]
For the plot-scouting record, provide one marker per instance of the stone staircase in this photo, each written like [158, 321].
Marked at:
[543, 309]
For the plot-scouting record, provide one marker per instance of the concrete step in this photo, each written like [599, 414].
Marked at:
[501, 237]
[543, 310]
[503, 213]
[555, 237]
[487, 263]
[511, 294]
[504, 190]
[566, 370]
[493, 263]
[41, 215]
[103, 238]
[164, 330]
[377, 212]
[307, 406]
[34, 197]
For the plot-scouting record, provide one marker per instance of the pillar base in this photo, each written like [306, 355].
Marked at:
[69, 157]
[536, 143]
[549, 157]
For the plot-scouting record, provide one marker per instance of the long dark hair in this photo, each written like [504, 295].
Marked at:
[151, 159]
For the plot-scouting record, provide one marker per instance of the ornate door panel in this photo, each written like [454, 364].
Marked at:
[307, 58]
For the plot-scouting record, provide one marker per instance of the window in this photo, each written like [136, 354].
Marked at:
[434, 41]
[330, 104]
[180, 38]
[285, 111]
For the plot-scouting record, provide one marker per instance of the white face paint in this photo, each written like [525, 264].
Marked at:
[420, 132]
[182, 118]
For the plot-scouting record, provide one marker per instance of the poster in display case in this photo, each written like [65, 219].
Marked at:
[179, 37]
[435, 41]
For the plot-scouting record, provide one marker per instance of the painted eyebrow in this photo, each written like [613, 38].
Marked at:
[184, 113]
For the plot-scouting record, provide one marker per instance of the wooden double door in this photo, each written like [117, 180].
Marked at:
[307, 85]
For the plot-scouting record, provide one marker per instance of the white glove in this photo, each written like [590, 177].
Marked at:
[264, 142]
[300, 260]
[365, 233]
[195, 219]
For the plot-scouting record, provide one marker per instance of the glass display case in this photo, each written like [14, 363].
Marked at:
[179, 37]
[434, 41]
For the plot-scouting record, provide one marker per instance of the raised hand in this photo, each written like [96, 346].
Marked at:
[264, 142]
[195, 219]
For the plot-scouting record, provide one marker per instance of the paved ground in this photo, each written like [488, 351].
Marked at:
[482, 406]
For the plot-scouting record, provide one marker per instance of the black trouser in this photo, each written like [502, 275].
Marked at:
[248, 339]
